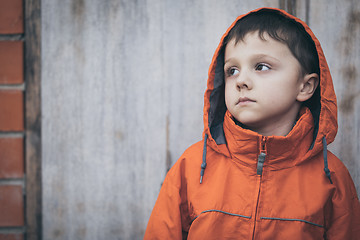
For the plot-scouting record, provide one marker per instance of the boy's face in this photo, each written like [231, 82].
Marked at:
[262, 83]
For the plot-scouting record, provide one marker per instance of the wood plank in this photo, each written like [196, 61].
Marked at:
[33, 120]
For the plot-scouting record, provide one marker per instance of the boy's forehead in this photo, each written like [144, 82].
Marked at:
[255, 43]
[256, 48]
[256, 35]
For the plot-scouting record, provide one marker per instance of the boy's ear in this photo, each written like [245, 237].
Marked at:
[308, 86]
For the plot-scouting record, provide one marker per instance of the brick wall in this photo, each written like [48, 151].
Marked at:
[12, 204]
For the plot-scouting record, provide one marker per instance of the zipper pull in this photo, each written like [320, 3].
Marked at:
[260, 163]
[261, 158]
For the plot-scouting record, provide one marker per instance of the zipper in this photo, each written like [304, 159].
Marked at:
[261, 157]
[259, 170]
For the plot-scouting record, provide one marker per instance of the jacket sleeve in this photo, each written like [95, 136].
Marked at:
[345, 214]
[169, 216]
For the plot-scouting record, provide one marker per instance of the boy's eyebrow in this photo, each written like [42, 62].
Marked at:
[256, 57]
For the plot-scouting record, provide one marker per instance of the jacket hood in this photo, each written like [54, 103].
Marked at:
[323, 111]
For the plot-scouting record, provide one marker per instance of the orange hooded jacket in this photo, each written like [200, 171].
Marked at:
[237, 184]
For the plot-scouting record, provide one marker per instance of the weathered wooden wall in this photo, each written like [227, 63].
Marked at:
[337, 25]
[122, 98]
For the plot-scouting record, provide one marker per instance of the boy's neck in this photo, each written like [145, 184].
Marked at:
[273, 130]
[282, 130]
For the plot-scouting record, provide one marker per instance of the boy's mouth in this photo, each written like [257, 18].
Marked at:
[244, 100]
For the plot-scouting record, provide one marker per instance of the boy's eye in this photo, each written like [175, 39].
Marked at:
[232, 71]
[262, 67]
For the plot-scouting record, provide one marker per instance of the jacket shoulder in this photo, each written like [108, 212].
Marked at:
[340, 175]
[337, 166]
[194, 150]
[344, 221]
[189, 163]
[192, 155]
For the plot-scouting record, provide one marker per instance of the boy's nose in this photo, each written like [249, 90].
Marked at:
[243, 81]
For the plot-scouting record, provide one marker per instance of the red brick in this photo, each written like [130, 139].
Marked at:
[11, 110]
[11, 62]
[11, 157]
[11, 206]
[12, 236]
[11, 16]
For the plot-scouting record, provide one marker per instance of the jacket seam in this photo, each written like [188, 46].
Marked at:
[292, 219]
[220, 211]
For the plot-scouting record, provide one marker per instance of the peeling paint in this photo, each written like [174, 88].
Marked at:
[347, 103]
[349, 74]
[78, 8]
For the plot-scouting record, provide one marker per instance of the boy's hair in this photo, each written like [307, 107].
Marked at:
[282, 29]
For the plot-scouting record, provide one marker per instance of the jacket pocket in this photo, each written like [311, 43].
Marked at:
[219, 224]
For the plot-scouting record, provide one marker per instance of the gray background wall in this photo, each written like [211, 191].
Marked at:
[122, 98]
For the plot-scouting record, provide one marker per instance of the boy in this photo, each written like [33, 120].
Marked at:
[264, 169]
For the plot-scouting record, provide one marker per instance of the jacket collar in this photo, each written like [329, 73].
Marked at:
[281, 151]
